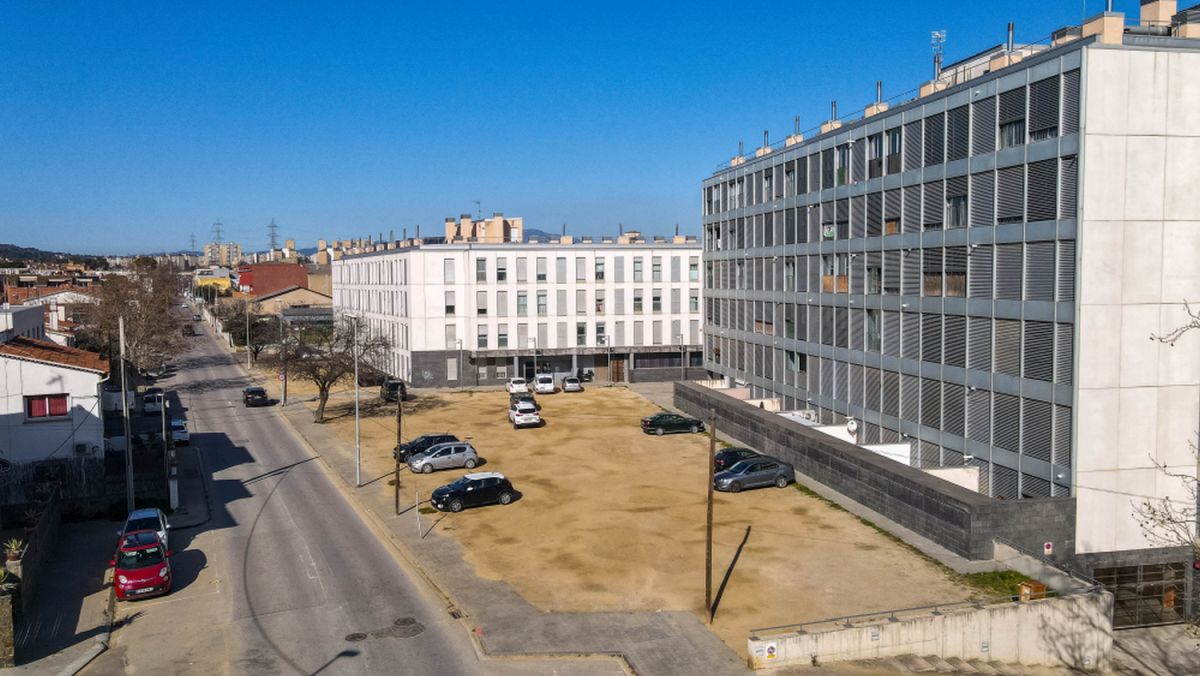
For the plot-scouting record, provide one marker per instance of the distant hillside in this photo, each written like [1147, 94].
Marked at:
[11, 253]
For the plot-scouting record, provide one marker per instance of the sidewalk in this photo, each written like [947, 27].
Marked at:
[193, 507]
[72, 609]
[653, 643]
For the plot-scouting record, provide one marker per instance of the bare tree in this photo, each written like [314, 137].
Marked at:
[263, 328]
[326, 355]
[147, 299]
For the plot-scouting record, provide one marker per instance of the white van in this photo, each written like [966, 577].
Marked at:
[152, 402]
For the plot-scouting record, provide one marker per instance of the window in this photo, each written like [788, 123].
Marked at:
[619, 269]
[501, 269]
[580, 269]
[656, 269]
[451, 336]
[560, 270]
[693, 301]
[449, 303]
[619, 301]
[601, 338]
[501, 303]
[481, 303]
[541, 303]
[694, 269]
[843, 165]
[560, 300]
[581, 302]
[637, 268]
[1012, 134]
[875, 159]
[599, 301]
[502, 373]
[637, 301]
[656, 301]
[639, 332]
[540, 269]
[1012, 118]
[873, 330]
[956, 211]
[452, 369]
[481, 269]
[501, 341]
[522, 304]
[1043, 109]
[522, 270]
[580, 333]
[797, 361]
[481, 339]
[599, 269]
[46, 406]
[894, 148]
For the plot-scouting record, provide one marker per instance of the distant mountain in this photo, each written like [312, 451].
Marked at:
[11, 253]
[534, 233]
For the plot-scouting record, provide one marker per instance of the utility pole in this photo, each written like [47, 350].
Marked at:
[273, 235]
[125, 412]
[399, 440]
[247, 334]
[357, 437]
[163, 410]
[708, 523]
[283, 357]
[682, 359]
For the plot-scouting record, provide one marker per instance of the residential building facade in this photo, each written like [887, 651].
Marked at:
[470, 313]
[978, 272]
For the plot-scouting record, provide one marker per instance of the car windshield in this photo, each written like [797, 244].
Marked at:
[144, 523]
[572, 381]
[140, 558]
[741, 467]
[178, 424]
[256, 391]
[526, 407]
[518, 381]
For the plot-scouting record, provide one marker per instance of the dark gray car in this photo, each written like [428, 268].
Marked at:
[753, 473]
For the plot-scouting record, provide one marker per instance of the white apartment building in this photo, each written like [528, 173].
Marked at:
[460, 312]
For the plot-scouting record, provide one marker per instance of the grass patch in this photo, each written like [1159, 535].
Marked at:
[998, 583]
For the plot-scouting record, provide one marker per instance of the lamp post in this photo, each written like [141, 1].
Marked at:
[283, 358]
[682, 358]
[357, 428]
[247, 334]
[125, 414]
[535, 348]
[460, 359]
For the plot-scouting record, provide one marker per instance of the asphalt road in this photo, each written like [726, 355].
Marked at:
[285, 571]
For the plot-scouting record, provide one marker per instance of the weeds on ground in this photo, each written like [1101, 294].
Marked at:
[998, 582]
[427, 510]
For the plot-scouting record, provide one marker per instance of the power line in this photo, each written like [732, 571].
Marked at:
[273, 234]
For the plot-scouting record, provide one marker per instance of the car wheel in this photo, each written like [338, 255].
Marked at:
[695, 429]
[505, 498]
[659, 431]
[470, 463]
[735, 487]
[781, 481]
[456, 505]
[427, 469]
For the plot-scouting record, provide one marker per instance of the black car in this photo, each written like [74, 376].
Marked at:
[661, 423]
[517, 397]
[421, 444]
[730, 457]
[255, 396]
[472, 490]
[393, 390]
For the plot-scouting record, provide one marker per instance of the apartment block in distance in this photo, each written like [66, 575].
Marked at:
[481, 305]
[974, 276]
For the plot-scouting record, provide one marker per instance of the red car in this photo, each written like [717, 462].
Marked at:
[140, 566]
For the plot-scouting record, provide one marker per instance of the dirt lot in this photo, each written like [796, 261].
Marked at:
[612, 519]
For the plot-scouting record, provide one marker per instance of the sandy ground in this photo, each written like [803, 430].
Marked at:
[613, 519]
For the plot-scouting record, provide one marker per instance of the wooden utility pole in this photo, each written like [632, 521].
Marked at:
[712, 450]
[399, 425]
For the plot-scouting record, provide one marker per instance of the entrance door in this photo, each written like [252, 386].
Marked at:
[617, 369]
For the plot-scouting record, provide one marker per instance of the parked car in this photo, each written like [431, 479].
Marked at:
[421, 444]
[149, 518]
[731, 456]
[543, 384]
[152, 402]
[141, 566]
[753, 473]
[515, 385]
[571, 384]
[370, 377]
[523, 396]
[255, 396]
[524, 414]
[393, 390]
[472, 490]
[180, 435]
[661, 423]
[444, 456]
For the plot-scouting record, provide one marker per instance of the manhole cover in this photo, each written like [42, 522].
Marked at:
[405, 621]
[405, 627]
[356, 637]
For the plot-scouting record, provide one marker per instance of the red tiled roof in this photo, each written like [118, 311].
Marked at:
[53, 353]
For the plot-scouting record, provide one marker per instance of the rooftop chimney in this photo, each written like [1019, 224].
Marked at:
[1110, 26]
[879, 106]
[740, 157]
[1009, 43]
[796, 136]
[1157, 12]
[766, 146]
[833, 122]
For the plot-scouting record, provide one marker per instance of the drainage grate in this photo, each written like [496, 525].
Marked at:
[356, 637]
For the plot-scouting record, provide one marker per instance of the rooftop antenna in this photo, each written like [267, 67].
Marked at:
[192, 239]
[216, 230]
[676, 229]
[1009, 44]
[936, 40]
[273, 234]
[564, 230]
[766, 143]
[741, 149]
[478, 211]
[620, 228]
[391, 235]
[879, 91]
[833, 110]
[796, 125]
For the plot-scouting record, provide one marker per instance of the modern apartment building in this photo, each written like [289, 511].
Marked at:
[460, 310]
[977, 273]
[223, 254]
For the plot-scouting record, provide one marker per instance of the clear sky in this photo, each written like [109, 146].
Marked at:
[126, 127]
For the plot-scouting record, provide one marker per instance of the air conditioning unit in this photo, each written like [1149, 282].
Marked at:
[81, 449]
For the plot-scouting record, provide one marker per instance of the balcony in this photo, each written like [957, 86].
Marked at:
[835, 283]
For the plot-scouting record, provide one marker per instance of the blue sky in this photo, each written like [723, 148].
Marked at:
[126, 127]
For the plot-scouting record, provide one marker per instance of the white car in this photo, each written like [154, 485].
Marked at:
[516, 386]
[543, 385]
[179, 432]
[571, 384]
[150, 518]
[524, 414]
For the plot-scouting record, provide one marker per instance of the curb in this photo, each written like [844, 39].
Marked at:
[102, 641]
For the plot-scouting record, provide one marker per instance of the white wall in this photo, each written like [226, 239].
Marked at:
[23, 440]
[1138, 401]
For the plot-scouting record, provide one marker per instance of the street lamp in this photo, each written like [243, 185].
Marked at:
[357, 427]
[282, 350]
[682, 358]
[535, 346]
[603, 340]
[460, 358]
[247, 334]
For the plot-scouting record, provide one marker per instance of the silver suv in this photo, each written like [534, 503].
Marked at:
[444, 456]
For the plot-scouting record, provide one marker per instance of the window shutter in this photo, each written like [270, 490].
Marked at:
[910, 282]
[1008, 272]
[1007, 427]
[1010, 194]
[854, 390]
[827, 168]
[956, 187]
[1037, 422]
[858, 274]
[858, 223]
[1069, 193]
[956, 271]
[874, 214]
[891, 272]
[929, 454]
[912, 145]
[931, 272]
[954, 337]
[1064, 346]
[843, 218]
[1062, 436]
[1039, 350]
[872, 389]
[912, 209]
[958, 133]
[891, 393]
[842, 327]
[910, 397]
[893, 206]
[979, 416]
[983, 199]
[1043, 105]
[935, 139]
[935, 205]
[1033, 487]
[858, 161]
[931, 403]
[1043, 190]
[983, 126]
[953, 408]
[1066, 271]
[827, 325]
[1008, 347]
[979, 272]
[1005, 482]
[1039, 271]
[856, 328]
[931, 338]
[1012, 105]
[1070, 102]
[910, 339]
[891, 333]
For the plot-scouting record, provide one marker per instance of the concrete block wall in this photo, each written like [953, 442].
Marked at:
[961, 520]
